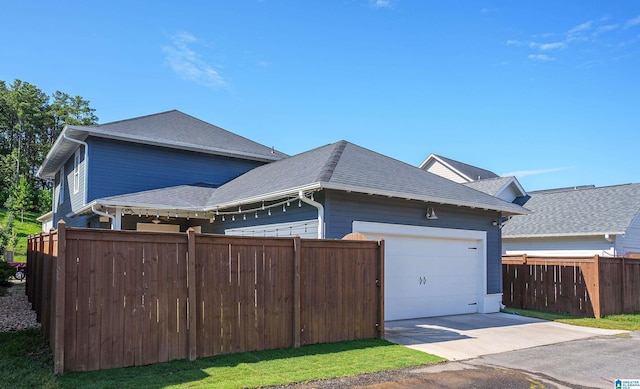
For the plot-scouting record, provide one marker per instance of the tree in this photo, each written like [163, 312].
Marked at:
[30, 121]
[8, 234]
[21, 197]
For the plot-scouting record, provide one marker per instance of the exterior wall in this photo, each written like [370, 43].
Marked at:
[569, 246]
[341, 209]
[71, 200]
[508, 194]
[441, 170]
[118, 167]
[630, 242]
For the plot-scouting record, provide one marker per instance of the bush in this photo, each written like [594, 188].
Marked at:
[6, 272]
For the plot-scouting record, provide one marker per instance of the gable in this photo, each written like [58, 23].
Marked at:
[438, 168]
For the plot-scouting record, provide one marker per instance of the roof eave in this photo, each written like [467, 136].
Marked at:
[561, 235]
[183, 146]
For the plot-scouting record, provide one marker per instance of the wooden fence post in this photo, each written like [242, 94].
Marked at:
[381, 288]
[624, 287]
[297, 242]
[191, 294]
[60, 271]
[595, 299]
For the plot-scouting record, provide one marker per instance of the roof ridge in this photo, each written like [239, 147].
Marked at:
[140, 117]
[330, 166]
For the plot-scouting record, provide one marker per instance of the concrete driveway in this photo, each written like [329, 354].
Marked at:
[461, 337]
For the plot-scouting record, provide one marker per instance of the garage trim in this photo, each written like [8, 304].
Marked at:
[486, 303]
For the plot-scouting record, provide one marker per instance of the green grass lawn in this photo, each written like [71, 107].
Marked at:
[628, 322]
[26, 361]
[30, 226]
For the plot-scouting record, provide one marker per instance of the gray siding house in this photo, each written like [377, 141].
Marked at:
[442, 239]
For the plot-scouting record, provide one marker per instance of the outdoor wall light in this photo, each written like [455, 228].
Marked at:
[431, 214]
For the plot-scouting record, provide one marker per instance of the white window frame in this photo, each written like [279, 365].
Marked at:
[61, 192]
[76, 172]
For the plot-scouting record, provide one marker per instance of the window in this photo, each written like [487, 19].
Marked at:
[61, 192]
[76, 172]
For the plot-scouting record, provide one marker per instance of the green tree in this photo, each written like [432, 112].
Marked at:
[30, 121]
[21, 197]
[8, 234]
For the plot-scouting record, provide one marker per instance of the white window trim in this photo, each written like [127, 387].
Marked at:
[61, 191]
[76, 172]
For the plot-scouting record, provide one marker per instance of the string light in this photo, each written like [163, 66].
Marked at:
[256, 214]
[233, 218]
[284, 208]
[244, 217]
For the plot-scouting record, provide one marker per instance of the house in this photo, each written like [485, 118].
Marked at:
[576, 221]
[505, 188]
[582, 221]
[442, 239]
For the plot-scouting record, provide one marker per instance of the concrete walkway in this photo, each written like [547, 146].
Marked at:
[461, 337]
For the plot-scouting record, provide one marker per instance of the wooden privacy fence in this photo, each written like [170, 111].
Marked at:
[585, 286]
[111, 299]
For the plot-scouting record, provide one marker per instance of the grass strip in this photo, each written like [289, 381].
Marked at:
[25, 361]
[627, 322]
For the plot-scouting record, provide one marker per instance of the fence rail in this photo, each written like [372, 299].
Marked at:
[110, 299]
[585, 286]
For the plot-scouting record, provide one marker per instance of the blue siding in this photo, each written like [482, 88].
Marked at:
[72, 201]
[341, 209]
[293, 214]
[120, 167]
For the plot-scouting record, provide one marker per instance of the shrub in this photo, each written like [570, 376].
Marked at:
[6, 271]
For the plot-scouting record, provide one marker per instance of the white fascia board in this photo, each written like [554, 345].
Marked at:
[426, 161]
[55, 149]
[180, 145]
[562, 235]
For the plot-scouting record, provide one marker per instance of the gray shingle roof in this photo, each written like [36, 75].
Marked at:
[473, 172]
[587, 211]
[167, 129]
[193, 197]
[346, 166]
[340, 166]
[177, 128]
[489, 186]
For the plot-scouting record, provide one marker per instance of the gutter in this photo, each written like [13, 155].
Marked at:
[86, 163]
[320, 208]
[100, 213]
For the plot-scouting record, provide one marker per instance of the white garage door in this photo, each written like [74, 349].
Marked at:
[429, 271]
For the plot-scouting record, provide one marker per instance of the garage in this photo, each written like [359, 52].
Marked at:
[430, 271]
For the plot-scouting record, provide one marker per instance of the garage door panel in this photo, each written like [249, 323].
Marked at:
[430, 276]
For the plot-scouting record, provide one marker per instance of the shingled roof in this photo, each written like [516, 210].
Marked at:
[472, 172]
[577, 212]
[173, 129]
[340, 166]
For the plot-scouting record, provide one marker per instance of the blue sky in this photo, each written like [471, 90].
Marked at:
[547, 90]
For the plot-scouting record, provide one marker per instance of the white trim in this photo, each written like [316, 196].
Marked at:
[76, 171]
[61, 191]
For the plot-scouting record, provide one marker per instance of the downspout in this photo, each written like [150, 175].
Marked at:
[100, 213]
[86, 163]
[320, 208]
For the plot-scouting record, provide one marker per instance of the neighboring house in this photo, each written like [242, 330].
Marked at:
[577, 222]
[455, 170]
[442, 239]
[574, 221]
[46, 220]
[505, 188]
